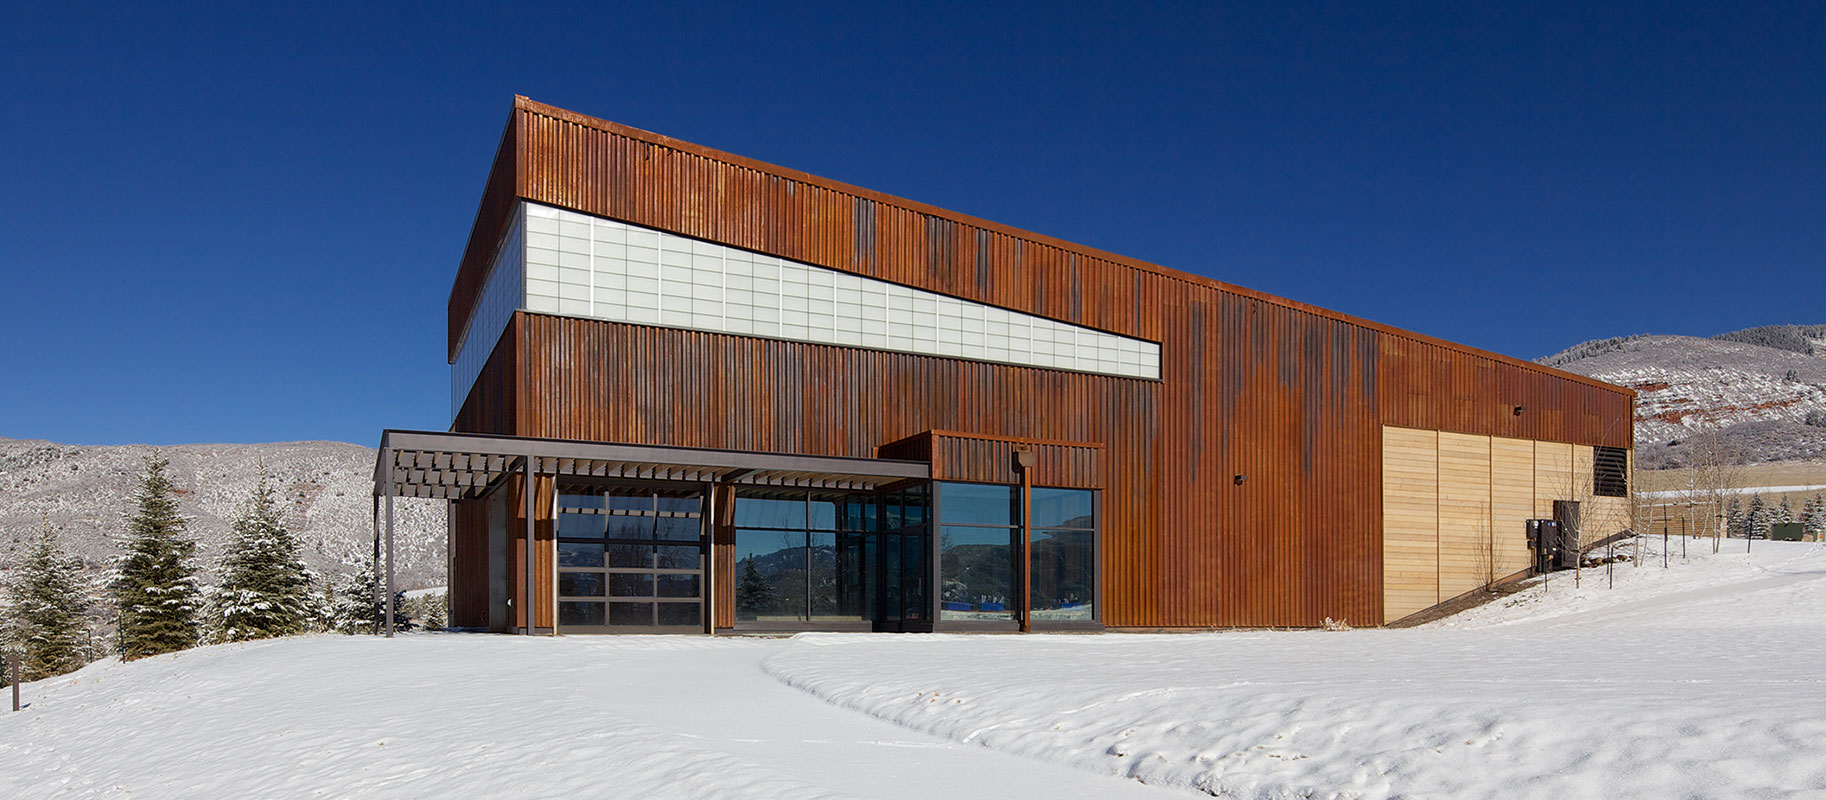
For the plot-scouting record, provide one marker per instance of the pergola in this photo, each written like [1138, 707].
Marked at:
[457, 466]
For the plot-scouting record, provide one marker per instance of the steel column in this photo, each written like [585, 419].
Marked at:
[526, 495]
[374, 565]
[390, 609]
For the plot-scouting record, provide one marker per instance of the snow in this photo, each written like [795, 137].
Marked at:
[1696, 680]
[1746, 491]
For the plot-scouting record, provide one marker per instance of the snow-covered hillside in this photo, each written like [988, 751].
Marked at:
[1763, 396]
[325, 489]
[1699, 680]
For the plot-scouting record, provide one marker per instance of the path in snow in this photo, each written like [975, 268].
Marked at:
[1700, 680]
[484, 716]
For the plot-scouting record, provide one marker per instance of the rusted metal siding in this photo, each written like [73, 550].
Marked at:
[496, 211]
[957, 456]
[469, 565]
[1290, 396]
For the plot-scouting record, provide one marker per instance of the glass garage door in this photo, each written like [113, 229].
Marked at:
[630, 561]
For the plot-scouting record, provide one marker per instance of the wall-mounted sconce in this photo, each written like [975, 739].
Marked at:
[1238, 480]
[1518, 410]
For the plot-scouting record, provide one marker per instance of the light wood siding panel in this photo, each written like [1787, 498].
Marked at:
[1552, 477]
[1410, 521]
[1511, 502]
[1465, 533]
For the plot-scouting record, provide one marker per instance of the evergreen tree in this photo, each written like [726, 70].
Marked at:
[754, 593]
[156, 587]
[354, 605]
[1734, 518]
[1813, 517]
[1756, 518]
[1782, 513]
[46, 622]
[266, 588]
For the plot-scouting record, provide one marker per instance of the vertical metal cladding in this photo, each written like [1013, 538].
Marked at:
[1243, 488]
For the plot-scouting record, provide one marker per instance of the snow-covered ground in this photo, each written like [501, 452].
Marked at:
[1701, 680]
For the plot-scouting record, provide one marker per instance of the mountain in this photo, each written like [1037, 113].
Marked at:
[1764, 388]
[325, 490]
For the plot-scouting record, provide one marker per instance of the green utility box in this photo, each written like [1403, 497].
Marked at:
[1785, 532]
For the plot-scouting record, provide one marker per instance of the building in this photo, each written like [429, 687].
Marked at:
[750, 398]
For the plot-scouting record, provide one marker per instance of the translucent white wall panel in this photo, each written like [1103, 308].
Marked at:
[500, 297]
[584, 266]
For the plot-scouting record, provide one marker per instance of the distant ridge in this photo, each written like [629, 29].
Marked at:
[325, 491]
[1764, 387]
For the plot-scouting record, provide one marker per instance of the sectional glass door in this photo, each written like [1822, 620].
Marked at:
[630, 560]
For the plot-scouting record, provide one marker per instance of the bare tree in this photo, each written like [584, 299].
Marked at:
[1716, 471]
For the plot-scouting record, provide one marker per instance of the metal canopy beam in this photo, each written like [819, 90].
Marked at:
[458, 465]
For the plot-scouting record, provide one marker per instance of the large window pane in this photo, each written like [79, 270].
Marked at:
[631, 614]
[769, 512]
[978, 504]
[678, 557]
[1064, 574]
[638, 556]
[631, 502]
[579, 614]
[580, 526]
[683, 503]
[677, 529]
[1063, 508]
[770, 576]
[681, 614]
[580, 584]
[678, 585]
[823, 514]
[579, 499]
[977, 567]
[630, 527]
[837, 577]
[579, 554]
[626, 584]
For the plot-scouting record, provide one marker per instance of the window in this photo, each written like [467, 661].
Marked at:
[1610, 472]
[802, 557]
[978, 526]
[1064, 555]
[629, 558]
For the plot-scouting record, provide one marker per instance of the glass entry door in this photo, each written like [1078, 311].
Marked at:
[630, 560]
[903, 562]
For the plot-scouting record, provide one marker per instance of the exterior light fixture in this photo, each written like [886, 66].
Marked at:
[1518, 410]
[1238, 480]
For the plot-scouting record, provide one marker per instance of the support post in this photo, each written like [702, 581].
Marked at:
[390, 594]
[375, 563]
[711, 497]
[526, 497]
[1024, 459]
[12, 663]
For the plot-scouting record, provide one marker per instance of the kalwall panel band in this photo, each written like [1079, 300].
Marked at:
[585, 266]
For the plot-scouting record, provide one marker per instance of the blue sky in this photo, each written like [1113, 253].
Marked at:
[224, 224]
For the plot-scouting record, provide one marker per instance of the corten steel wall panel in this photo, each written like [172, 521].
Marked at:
[496, 211]
[469, 565]
[990, 459]
[589, 379]
[1289, 395]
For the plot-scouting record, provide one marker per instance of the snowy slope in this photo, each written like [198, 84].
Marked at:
[1762, 395]
[1700, 680]
[325, 490]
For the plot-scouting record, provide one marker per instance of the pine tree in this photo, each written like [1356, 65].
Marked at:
[1756, 518]
[266, 588]
[753, 593]
[156, 587]
[46, 622]
[354, 603]
[1734, 518]
[1813, 517]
